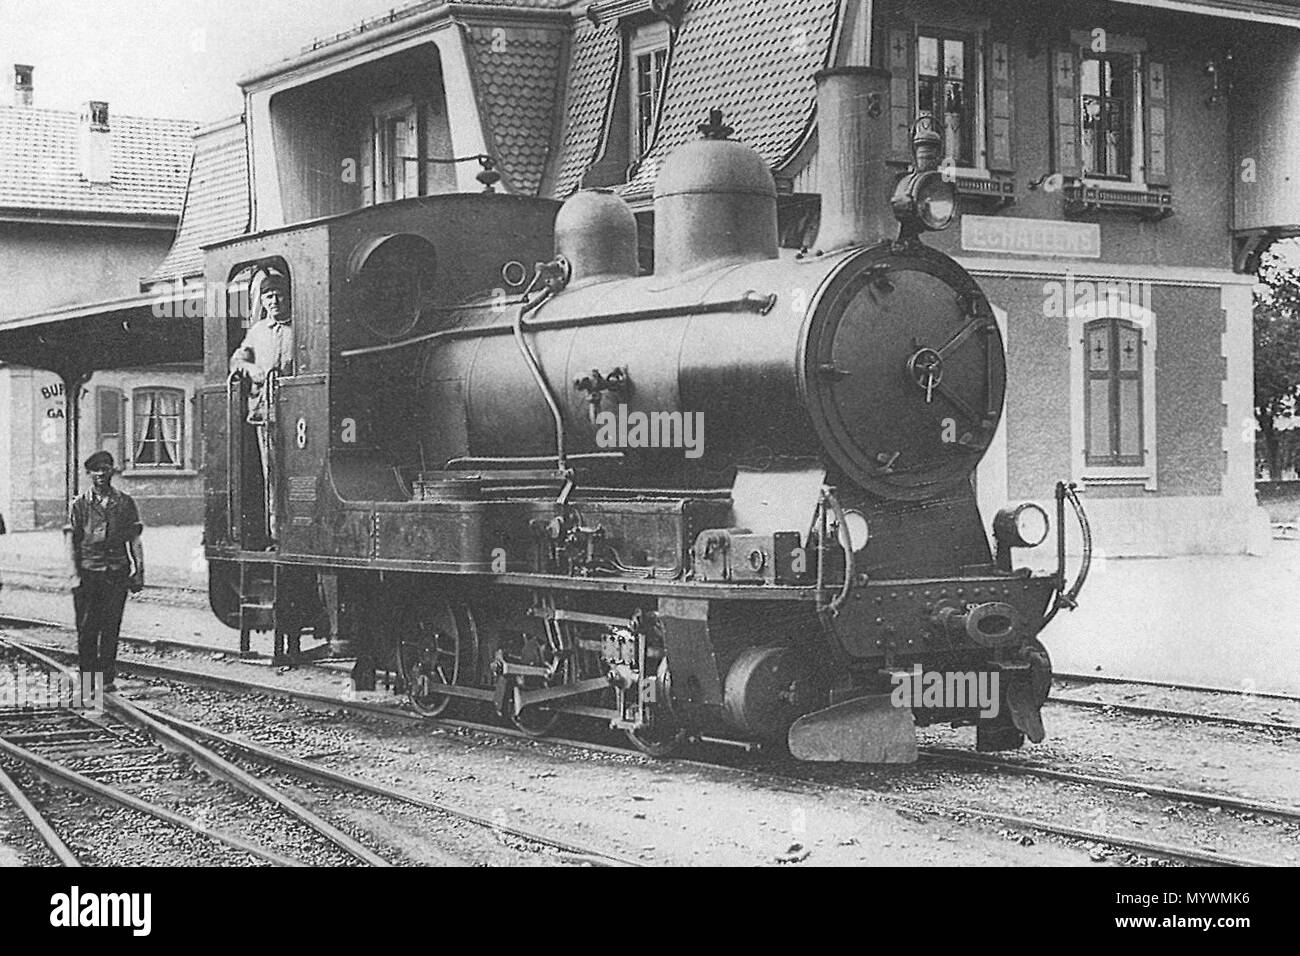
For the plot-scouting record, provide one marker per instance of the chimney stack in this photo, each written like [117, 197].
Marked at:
[23, 89]
[96, 143]
[854, 127]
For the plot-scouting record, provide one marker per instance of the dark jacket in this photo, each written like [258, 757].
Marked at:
[100, 533]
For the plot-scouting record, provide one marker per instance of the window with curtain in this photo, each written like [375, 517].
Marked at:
[946, 89]
[159, 428]
[648, 49]
[1114, 392]
[1106, 85]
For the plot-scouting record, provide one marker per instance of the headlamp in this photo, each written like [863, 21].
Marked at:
[1024, 526]
[924, 201]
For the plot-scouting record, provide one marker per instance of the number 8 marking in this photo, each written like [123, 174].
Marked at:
[302, 433]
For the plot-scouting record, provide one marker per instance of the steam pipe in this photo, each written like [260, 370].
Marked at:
[539, 375]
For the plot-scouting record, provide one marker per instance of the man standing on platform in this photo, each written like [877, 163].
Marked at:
[108, 558]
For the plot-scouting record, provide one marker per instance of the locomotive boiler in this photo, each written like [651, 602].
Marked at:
[730, 499]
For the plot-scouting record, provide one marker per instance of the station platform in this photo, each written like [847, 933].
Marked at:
[1222, 620]
[173, 557]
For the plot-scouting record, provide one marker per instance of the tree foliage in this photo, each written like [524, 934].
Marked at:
[1277, 346]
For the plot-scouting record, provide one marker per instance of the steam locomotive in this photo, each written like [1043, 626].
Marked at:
[728, 500]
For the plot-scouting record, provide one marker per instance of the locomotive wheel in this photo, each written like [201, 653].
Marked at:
[662, 736]
[655, 741]
[428, 656]
[535, 721]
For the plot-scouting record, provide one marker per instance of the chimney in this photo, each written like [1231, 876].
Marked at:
[23, 89]
[854, 127]
[96, 143]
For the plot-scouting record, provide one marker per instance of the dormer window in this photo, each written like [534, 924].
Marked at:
[644, 57]
[648, 63]
[98, 115]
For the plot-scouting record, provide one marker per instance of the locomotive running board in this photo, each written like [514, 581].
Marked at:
[869, 729]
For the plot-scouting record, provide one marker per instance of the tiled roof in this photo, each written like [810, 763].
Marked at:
[518, 82]
[40, 165]
[216, 201]
[754, 60]
[593, 69]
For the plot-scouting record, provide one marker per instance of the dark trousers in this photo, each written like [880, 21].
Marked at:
[99, 601]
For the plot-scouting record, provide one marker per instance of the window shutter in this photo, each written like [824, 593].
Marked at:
[1157, 100]
[110, 404]
[998, 71]
[902, 92]
[1065, 112]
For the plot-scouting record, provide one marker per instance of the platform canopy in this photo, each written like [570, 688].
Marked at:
[153, 328]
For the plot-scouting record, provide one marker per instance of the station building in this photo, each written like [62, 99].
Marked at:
[1120, 164]
[89, 203]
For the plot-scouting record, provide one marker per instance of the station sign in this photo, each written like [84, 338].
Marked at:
[1010, 235]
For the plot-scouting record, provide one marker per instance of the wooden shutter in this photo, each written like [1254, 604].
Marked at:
[998, 106]
[110, 408]
[1065, 112]
[1157, 114]
[902, 92]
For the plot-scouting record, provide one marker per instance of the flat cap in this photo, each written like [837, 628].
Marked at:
[100, 459]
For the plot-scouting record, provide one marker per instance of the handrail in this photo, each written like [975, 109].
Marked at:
[751, 301]
[269, 466]
[233, 435]
[1068, 598]
[832, 607]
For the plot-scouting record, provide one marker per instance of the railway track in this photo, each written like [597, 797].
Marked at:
[82, 749]
[935, 755]
[1141, 710]
[1057, 699]
[200, 745]
[1174, 685]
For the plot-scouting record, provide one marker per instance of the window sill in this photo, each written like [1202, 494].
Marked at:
[986, 189]
[159, 473]
[1094, 196]
[975, 185]
[1120, 478]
